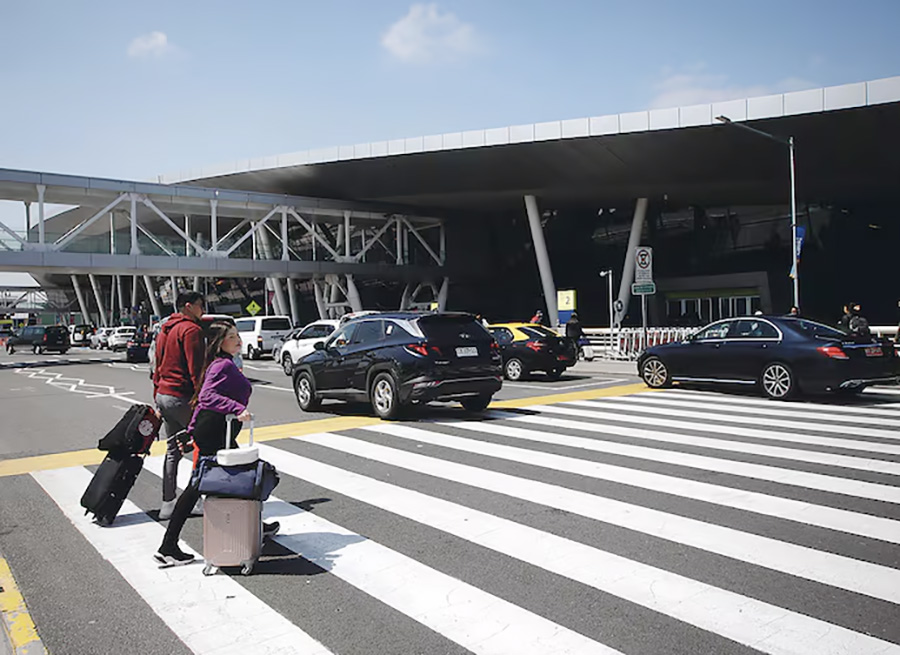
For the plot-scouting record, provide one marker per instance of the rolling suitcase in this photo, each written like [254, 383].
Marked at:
[232, 527]
[110, 486]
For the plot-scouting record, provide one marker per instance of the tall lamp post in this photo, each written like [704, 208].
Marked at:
[608, 274]
[789, 142]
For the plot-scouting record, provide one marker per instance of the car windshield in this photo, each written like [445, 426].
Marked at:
[537, 332]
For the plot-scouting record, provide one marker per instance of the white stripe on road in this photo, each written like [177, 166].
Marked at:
[855, 426]
[476, 620]
[829, 483]
[871, 410]
[711, 421]
[829, 518]
[650, 431]
[835, 570]
[888, 390]
[744, 620]
[212, 616]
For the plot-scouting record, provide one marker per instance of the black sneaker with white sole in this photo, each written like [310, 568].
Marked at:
[270, 529]
[172, 556]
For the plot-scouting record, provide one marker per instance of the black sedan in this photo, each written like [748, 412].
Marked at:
[527, 347]
[782, 355]
[394, 360]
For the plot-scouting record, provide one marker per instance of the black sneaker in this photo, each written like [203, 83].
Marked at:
[172, 556]
[270, 529]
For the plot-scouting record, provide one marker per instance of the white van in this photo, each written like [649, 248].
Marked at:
[260, 334]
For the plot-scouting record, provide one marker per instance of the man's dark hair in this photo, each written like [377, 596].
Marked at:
[188, 298]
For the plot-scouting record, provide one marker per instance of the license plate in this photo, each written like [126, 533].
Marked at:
[874, 351]
[468, 351]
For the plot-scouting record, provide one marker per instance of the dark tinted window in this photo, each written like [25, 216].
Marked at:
[814, 329]
[57, 331]
[537, 332]
[395, 332]
[276, 324]
[450, 329]
[248, 325]
[368, 333]
[343, 337]
[316, 331]
[715, 331]
[753, 329]
[502, 335]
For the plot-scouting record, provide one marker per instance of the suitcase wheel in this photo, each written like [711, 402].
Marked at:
[209, 569]
[247, 568]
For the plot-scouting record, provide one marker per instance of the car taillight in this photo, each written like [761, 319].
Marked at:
[45, 336]
[834, 352]
[131, 344]
[420, 349]
[536, 346]
[495, 346]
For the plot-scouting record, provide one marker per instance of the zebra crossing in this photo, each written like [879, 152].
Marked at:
[667, 522]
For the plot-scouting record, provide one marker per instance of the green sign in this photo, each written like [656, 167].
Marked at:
[253, 308]
[643, 289]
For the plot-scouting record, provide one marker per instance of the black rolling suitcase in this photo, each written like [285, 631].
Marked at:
[110, 486]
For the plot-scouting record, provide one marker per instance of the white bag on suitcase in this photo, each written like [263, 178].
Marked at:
[232, 527]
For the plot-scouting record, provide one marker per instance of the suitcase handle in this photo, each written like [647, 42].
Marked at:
[228, 419]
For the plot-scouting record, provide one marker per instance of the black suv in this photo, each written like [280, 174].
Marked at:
[397, 359]
[39, 338]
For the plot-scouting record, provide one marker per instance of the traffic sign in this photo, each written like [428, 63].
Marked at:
[253, 308]
[565, 300]
[643, 289]
[643, 264]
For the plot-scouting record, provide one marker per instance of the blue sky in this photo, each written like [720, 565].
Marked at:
[130, 90]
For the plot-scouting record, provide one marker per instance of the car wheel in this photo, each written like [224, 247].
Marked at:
[777, 381]
[37, 350]
[476, 403]
[63, 351]
[305, 390]
[384, 398]
[655, 373]
[287, 364]
[555, 374]
[514, 369]
[253, 353]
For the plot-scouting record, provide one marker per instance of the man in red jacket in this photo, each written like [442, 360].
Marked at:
[180, 353]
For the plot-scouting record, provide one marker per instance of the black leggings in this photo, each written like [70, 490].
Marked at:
[209, 437]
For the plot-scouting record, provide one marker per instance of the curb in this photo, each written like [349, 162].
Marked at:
[19, 630]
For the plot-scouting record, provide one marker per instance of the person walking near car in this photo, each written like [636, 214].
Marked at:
[224, 391]
[176, 378]
[537, 318]
[575, 332]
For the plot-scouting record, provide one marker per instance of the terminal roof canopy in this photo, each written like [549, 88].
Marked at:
[843, 153]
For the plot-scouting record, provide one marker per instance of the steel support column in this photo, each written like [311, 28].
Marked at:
[81, 303]
[442, 294]
[135, 249]
[214, 225]
[41, 189]
[353, 295]
[121, 296]
[320, 299]
[98, 298]
[154, 301]
[292, 298]
[543, 259]
[634, 240]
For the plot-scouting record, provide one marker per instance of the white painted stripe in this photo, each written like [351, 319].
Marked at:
[715, 418]
[830, 518]
[212, 616]
[887, 390]
[718, 398]
[651, 430]
[466, 615]
[833, 484]
[851, 425]
[744, 620]
[854, 575]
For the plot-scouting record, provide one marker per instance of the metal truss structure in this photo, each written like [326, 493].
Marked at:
[153, 231]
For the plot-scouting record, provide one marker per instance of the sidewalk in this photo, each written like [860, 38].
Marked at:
[606, 367]
[18, 635]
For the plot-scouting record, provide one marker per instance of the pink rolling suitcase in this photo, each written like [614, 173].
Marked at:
[232, 527]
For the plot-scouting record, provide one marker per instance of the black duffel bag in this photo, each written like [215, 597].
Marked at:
[134, 433]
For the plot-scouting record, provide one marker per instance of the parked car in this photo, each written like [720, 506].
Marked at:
[397, 359]
[259, 334]
[80, 335]
[301, 342]
[527, 347]
[138, 347]
[783, 356]
[40, 338]
[100, 338]
[119, 337]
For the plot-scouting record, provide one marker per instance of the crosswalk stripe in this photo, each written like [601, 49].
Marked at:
[835, 422]
[830, 518]
[649, 430]
[719, 423]
[742, 619]
[833, 484]
[835, 570]
[217, 617]
[466, 615]
[871, 411]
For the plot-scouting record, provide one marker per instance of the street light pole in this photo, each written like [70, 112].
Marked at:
[608, 274]
[789, 142]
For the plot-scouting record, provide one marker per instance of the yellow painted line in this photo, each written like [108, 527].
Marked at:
[270, 433]
[17, 622]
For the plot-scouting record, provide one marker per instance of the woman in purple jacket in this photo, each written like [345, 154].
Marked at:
[224, 391]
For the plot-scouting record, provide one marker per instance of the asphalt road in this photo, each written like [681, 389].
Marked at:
[679, 522]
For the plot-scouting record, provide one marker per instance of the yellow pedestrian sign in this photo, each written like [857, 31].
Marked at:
[253, 308]
[565, 300]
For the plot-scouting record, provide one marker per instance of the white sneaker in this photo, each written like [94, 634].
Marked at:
[165, 512]
[198, 508]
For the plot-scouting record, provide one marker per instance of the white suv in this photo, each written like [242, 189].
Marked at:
[260, 334]
[119, 337]
[301, 342]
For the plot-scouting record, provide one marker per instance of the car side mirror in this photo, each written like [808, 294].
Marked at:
[319, 345]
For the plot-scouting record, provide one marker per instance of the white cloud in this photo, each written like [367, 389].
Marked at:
[699, 87]
[154, 44]
[425, 34]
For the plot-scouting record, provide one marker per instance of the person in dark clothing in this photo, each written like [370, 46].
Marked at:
[844, 322]
[224, 391]
[574, 330]
[176, 378]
